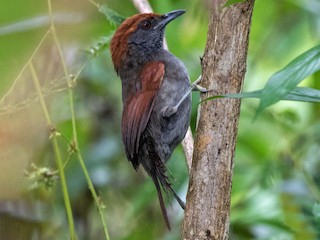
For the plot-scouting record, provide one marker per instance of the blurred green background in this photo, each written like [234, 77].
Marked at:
[276, 181]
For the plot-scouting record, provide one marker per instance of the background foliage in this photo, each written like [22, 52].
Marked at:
[276, 183]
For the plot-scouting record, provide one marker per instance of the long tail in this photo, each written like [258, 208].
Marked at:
[159, 176]
[163, 208]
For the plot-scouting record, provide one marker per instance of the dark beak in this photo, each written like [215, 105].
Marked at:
[168, 17]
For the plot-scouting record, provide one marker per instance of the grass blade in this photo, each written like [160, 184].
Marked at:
[299, 94]
[283, 82]
[113, 17]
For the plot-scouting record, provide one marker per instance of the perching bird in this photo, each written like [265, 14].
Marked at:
[155, 93]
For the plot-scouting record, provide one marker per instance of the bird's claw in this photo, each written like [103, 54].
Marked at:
[196, 87]
[200, 88]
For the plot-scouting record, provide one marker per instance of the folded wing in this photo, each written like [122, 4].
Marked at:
[138, 108]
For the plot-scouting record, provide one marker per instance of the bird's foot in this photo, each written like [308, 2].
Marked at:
[169, 111]
[196, 87]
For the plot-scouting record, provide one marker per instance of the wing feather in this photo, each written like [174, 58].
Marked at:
[138, 108]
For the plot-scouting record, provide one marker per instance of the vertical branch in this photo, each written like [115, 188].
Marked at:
[207, 214]
[143, 6]
[187, 145]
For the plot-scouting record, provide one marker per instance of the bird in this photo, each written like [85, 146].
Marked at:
[156, 96]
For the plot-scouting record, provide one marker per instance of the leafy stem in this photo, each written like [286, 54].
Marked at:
[74, 143]
[56, 149]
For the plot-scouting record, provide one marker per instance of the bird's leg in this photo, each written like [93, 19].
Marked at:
[194, 87]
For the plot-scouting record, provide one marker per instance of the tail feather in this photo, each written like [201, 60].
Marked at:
[162, 206]
[157, 170]
[181, 203]
[165, 183]
[159, 176]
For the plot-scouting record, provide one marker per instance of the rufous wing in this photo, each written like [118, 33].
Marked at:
[137, 109]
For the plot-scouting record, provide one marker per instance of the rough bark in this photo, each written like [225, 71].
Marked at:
[207, 214]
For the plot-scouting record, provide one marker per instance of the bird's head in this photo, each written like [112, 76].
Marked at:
[143, 32]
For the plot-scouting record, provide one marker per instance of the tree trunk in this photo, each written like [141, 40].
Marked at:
[207, 214]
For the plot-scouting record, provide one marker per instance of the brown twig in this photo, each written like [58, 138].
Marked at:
[143, 6]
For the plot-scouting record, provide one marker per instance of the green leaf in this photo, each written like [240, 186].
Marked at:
[230, 2]
[299, 94]
[284, 81]
[100, 46]
[253, 94]
[113, 17]
[303, 94]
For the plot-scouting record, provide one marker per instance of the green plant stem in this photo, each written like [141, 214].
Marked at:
[74, 129]
[94, 195]
[94, 3]
[83, 166]
[25, 66]
[56, 149]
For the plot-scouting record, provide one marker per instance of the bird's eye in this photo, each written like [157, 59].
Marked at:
[146, 24]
